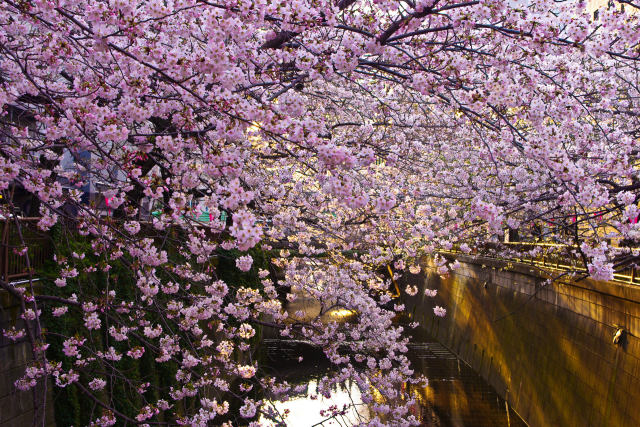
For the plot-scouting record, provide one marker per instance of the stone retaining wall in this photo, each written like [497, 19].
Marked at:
[546, 348]
[16, 407]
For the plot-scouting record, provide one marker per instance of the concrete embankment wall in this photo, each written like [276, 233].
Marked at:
[16, 407]
[547, 349]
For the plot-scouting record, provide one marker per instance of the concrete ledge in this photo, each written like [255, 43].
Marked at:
[617, 289]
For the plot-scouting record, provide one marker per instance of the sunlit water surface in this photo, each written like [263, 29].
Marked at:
[455, 396]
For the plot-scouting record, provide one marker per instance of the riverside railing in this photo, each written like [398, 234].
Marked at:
[13, 243]
[546, 256]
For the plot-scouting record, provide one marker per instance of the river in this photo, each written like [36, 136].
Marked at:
[455, 396]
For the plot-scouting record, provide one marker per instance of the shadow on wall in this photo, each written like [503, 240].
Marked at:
[548, 350]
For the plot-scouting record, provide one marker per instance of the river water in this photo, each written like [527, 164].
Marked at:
[455, 396]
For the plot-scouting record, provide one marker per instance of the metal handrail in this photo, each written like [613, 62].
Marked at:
[12, 264]
[542, 261]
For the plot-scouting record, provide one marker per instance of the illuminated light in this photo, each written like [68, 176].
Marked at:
[254, 129]
[342, 312]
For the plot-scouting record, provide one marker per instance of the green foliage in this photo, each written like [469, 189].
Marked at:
[227, 271]
[73, 407]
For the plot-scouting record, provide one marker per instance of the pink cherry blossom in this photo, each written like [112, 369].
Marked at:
[244, 262]
[97, 384]
[439, 311]
[338, 138]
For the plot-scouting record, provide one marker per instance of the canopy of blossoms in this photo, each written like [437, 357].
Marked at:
[341, 135]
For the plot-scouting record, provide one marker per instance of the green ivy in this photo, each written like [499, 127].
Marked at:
[73, 407]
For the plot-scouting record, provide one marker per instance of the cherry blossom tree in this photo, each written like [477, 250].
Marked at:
[337, 136]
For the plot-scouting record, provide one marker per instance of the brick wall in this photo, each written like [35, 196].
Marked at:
[547, 349]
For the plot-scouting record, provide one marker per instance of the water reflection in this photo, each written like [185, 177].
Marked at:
[306, 408]
[456, 396]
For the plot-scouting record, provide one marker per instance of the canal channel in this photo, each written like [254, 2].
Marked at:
[455, 395]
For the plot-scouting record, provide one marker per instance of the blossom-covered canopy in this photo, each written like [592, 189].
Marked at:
[337, 136]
